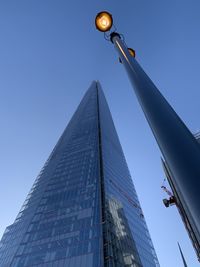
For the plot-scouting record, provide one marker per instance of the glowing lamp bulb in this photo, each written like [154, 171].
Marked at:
[103, 21]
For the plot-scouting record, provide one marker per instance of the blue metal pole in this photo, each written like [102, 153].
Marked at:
[179, 147]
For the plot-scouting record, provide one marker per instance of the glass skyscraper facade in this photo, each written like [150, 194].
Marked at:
[82, 210]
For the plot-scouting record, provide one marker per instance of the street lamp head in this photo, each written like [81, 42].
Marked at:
[131, 51]
[103, 21]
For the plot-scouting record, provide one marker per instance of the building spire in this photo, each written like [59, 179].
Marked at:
[184, 262]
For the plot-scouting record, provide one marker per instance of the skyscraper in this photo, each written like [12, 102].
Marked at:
[83, 209]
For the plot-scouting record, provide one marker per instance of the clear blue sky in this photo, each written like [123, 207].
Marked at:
[50, 52]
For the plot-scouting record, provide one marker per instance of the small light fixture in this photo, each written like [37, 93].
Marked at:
[103, 21]
[131, 51]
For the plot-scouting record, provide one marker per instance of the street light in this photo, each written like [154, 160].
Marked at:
[104, 21]
[131, 51]
[178, 146]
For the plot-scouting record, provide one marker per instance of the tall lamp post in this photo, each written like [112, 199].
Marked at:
[180, 149]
